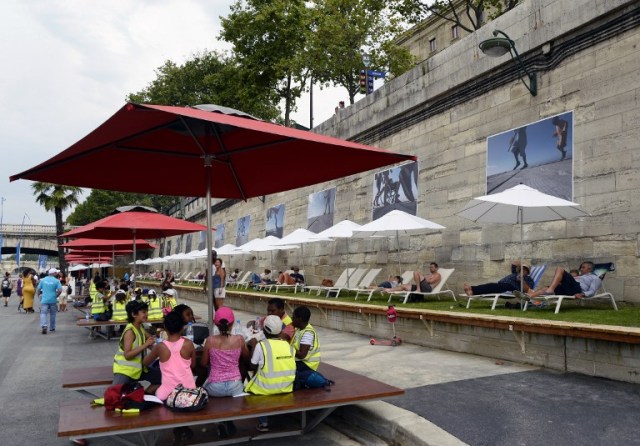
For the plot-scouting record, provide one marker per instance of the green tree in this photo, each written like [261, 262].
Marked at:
[477, 11]
[342, 28]
[269, 40]
[209, 78]
[57, 198]
[101, 203]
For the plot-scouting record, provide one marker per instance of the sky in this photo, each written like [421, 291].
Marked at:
[68, 65]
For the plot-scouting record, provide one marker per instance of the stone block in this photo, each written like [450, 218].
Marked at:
[614, 248]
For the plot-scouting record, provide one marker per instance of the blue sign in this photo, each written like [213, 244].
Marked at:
[374, 73]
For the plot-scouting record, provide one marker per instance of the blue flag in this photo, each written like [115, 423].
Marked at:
[18, 255]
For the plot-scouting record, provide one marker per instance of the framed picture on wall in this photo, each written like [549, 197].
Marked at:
[396, 188]
[274, 221]
[538, 154]
[321, 210]
[242, 234]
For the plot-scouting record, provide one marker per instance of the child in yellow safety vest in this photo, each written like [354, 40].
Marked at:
[128, 361]
[119, 307]
[155, 306]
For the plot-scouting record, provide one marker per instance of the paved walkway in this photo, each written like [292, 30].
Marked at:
[451, 398]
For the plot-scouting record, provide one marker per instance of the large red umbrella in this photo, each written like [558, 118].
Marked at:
[204, 153]
[135, 224]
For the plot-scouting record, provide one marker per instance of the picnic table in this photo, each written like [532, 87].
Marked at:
[79, 420]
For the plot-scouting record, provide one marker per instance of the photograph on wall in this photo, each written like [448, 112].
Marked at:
[187, 244]
[202, 240]
[396, 188]
[274, 221]
[242, 235]
[168, 246]
[178, 241]
[321, 210]
[538, 154]
[219, 235]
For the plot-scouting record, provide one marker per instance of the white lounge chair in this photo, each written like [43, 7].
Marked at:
[406, 277]
[356, 277]
[342, 280]
[536, 274]
[600, 270]
[436, 291]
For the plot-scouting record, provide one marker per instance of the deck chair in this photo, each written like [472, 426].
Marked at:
[406, 278]
[245, 280]
[536, 274]
[293, 287]
[365, 282]
[445, 273]
[185, 278]
[356, 277]
[341, 282]
[601, 270]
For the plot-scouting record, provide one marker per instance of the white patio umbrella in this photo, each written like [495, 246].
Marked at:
[518, 205]
[343, 229]
[396, 223]
[100, 265]
[300, 237]
[78, 267]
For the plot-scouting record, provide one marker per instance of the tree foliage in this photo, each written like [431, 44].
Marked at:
[57, 198]
[344, 27]
[209, 78]
[269, 38]
[101, 203]
[478, 12]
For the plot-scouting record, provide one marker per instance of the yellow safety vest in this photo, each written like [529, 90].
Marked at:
[97, 303]
[155, 309]
[277, 373]
[92, 290]
[119, 311]
[312, 359]
[130, 367]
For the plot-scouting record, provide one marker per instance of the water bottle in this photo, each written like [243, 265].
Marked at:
[189, 332]
[257, 328]
[158, 336]
[236, 328]
[86, 316]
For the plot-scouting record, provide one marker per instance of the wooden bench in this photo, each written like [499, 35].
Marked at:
[79, 420]
[82, 379]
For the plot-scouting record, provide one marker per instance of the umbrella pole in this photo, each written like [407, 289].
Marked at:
[521, 250]
[135, 277]
[398, 245]
[348, 264]
[209, 279]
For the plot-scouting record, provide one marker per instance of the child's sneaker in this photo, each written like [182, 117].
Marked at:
[263, 427]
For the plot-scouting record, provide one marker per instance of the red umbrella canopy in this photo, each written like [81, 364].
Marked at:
[87, 244]
[246, 155]
[135, 224]
[94, 253]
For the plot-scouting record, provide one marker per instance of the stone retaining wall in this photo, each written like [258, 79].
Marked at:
[605, 351]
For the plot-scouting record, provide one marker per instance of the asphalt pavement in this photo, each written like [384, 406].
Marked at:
[451, 398]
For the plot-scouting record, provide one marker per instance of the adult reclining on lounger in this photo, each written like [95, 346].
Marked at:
[506, 284]
[563, 283]
[423, 283]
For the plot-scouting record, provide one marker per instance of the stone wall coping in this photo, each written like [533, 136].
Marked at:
[629, 335]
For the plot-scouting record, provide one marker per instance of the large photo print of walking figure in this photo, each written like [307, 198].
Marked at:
[396, 188]
[538, 154]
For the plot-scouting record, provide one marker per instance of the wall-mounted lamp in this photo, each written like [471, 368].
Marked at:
[499, 46]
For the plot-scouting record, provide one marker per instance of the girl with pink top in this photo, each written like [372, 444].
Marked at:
[177, 357]
[224, 352]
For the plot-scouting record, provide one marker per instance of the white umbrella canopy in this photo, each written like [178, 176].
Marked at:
[100, 265]
[248, 247]
[533, 205]
[518, 205]
[300, 237]
[78, 267]
[228, 250]
[343, 229]
[396, 223]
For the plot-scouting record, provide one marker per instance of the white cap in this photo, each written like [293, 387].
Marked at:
[170, 292]
[272, 324]
[53, 271]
